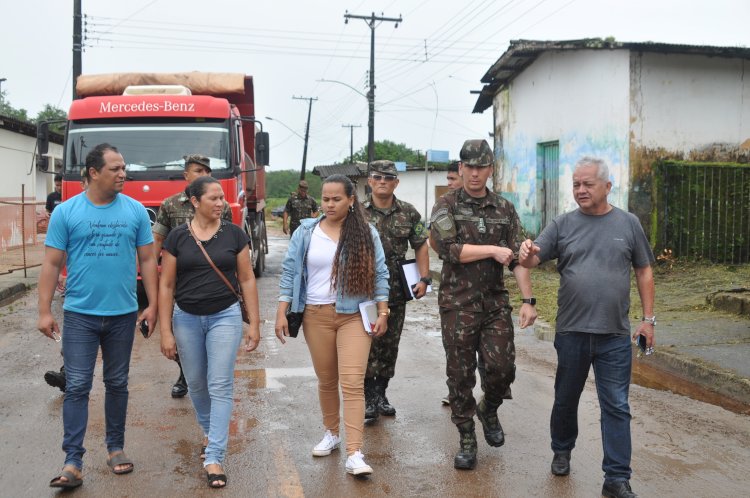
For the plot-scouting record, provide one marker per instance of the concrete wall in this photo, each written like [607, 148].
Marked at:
[685, 107]
[16, 159]
[577, 98]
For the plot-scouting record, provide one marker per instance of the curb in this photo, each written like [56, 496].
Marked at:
[707, 375]
[12, 291]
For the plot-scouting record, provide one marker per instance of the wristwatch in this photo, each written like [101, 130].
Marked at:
[649, 319]
[531, 301]
[426, 280]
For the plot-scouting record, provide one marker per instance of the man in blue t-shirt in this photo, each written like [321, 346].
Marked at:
[596, 246]
[98, 234]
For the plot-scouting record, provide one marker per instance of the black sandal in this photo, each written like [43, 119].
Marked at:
[217, 477]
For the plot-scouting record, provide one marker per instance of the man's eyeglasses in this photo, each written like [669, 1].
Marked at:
[388, 178]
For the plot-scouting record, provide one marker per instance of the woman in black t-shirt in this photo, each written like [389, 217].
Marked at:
[200, 316]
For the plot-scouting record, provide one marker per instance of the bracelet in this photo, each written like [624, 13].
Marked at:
[385, 313]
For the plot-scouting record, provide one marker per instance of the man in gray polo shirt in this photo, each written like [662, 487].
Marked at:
[595, 246]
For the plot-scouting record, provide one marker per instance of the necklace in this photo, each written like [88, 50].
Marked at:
[214, 236]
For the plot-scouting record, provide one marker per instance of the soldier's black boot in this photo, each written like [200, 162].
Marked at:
[371, 400]
[493, 431]
[384, 406]
[466, 458]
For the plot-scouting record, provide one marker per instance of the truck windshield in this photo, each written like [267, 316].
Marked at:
[152, 151]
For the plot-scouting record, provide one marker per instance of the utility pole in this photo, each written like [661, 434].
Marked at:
[77, 44]
[351, 140]
[307, 133]
[370, 20]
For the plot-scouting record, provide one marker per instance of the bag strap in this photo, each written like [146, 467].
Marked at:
[210, 262]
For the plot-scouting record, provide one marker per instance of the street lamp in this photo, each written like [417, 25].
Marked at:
[1, 84]
[285, 126]
[342, 83]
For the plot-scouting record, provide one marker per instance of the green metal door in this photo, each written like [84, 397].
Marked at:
[548, 178]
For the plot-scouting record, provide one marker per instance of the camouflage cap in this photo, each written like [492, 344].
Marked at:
[477, 153]
[303, 184]
[384, 166]
[198, 159]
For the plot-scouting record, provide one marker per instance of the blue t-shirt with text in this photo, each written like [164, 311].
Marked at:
[100, 242]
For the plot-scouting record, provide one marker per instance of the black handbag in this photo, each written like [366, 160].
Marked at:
[294, 321]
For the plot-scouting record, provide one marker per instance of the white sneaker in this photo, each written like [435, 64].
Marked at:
[356, 465]
[327, 445]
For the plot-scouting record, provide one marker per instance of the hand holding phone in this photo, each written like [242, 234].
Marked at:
[642, 344]
[144, 328]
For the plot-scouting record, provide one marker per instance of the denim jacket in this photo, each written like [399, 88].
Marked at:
[293, 282]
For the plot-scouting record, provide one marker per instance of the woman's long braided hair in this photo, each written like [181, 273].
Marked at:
[354, 263]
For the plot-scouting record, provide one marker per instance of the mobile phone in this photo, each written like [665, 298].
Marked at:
[641, 341]
[144, 328]
[642, 345]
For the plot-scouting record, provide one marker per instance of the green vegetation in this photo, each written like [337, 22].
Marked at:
[47, 114]
[279, 184]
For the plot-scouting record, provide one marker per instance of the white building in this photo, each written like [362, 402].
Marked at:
[18, 163]
[631, 104]
[417, 187]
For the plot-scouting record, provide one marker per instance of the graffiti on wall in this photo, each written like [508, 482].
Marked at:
[520, 173]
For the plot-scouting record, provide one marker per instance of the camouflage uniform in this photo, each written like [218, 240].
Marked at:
[176, 210]
[298, 209]
[474, 304]
[398, 226]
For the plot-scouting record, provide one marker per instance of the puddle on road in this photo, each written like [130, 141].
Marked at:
[270, 378]
[649, 376]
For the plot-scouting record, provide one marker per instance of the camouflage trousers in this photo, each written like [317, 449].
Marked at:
[384, 349]
[464, 335]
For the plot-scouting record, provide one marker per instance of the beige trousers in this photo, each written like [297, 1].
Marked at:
[339, 347]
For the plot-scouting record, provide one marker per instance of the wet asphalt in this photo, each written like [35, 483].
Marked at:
[681, 447]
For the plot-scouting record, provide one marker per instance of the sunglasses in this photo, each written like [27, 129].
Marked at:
[388, 178]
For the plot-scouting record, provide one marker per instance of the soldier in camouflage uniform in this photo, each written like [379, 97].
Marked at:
[399, 224]
[298, 207]
[476, 233]
[173, 212]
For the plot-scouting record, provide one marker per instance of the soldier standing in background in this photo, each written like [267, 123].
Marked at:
[476, 233]
[298, 207]
[173, 212]
[399, 224]
[453, 177]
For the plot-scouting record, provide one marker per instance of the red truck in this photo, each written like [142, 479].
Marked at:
[154, 119]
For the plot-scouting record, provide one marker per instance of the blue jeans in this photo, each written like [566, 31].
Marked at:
[82, 336]
[207, 345]
[611, 356]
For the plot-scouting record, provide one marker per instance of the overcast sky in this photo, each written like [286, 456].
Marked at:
[424, 69]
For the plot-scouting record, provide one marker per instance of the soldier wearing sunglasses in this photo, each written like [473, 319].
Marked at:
[399, 224]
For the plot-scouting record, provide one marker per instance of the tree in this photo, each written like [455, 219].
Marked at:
[389, 150]
[49, 113]
[9, 111]
[282, 183]
[52, 113]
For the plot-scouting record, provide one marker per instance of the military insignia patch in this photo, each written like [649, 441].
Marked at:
[419, 228]
[444, 225]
